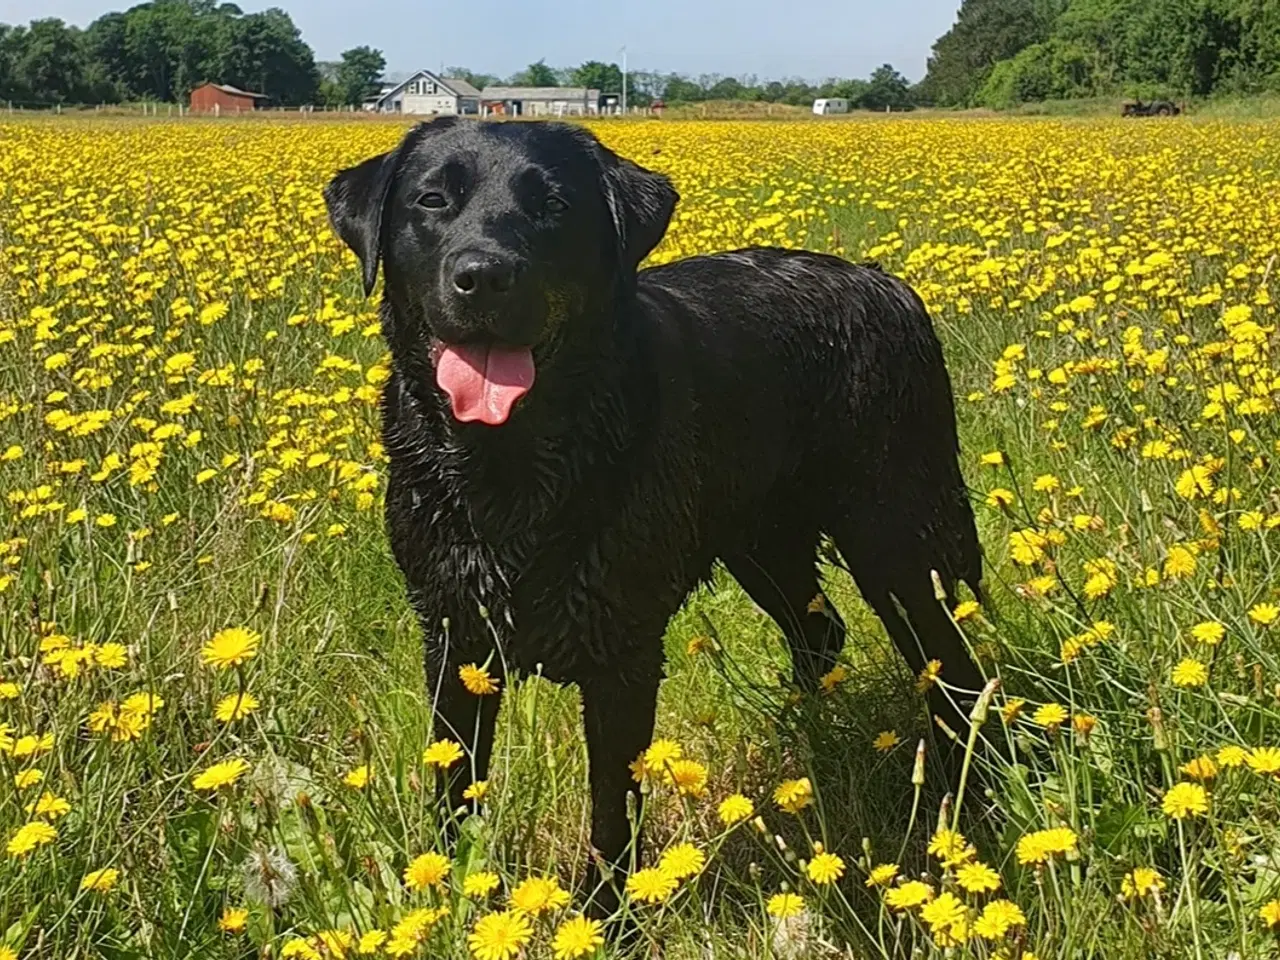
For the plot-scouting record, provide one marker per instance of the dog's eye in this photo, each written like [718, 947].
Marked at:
[433, 200]
[555, 205]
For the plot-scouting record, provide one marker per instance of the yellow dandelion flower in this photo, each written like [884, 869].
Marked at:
[1010, 711]
[442, 754]
[734, 809]
[792, 796]
[1269, 913]
[784, 905]
[1209, 633]
[950, 847]
[235, 706]
[230, 648]
[655, 760]
[1264, 760]
[480, 884]
[233, 920]
[370, 942]
[1141, 882]
[1200, 768]
[882, 875]
[1190, 673]
[538, 895]
[477, 680]
[103, 880]
[651, 885]
[682, 860]
[1264, 614]
[220, 775]
[825, 868]
[49, 806]
[427, 870]
[358, 778]
[577, 937]
[977, 877]
[1043, 845]
[499, 936]
[1185, 800]
[929, 675]
[28, 837]
[913, 893]
[997, 918]
[1233, 756]
[1050, 715]
[885, 741]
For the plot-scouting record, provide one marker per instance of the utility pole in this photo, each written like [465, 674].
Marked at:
[624, 80]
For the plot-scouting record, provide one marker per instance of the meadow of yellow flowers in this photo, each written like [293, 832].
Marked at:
[214, 739]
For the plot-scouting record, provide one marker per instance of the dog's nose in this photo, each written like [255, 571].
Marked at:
[481, 275]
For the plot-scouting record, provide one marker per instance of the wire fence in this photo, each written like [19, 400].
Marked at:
[154, 109]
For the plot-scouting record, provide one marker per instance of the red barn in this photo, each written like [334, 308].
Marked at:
[224, 98]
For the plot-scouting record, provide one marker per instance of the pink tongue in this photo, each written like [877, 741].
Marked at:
[484, 382]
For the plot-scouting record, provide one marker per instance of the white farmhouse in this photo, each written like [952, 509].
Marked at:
[424, 92]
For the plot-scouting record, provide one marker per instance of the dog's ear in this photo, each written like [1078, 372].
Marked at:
[356, 198]
[641, 203]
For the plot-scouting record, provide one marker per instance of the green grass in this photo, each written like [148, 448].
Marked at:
[339, 672]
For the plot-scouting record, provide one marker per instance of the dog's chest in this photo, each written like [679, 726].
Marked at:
[565, 582]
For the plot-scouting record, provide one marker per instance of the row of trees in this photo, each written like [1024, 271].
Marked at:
[886, 87]
[157, 51]
[1003, 52]
[160, 50]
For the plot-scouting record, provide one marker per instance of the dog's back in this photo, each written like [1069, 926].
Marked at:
[822, 380]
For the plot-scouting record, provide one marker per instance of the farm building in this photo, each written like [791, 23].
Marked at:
[424, 92]
[539, 101]
[224, 98]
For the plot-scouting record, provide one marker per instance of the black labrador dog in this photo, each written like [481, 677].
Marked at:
[574, 442]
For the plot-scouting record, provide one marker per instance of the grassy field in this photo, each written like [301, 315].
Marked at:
[212, 715]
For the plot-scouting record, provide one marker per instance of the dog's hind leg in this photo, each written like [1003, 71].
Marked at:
[618, 714]
[779, 572]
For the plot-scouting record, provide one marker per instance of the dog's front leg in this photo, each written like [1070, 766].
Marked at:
[618, 714]
[462, 716]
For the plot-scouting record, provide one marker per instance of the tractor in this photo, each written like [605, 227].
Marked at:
[1152, 108]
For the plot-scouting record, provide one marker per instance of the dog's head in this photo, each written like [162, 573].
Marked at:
[491, 236]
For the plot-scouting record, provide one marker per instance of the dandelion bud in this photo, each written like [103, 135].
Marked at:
[917, 772]
[938, 592]
[866, 848]
[483, 611]
[942, 725]
[1156, 718]
[979, 713]
[780, 843]
[758, 823]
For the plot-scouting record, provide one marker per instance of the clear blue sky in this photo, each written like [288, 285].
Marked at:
[769, 38]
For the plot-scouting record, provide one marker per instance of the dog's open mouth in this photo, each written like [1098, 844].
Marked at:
[483, 380]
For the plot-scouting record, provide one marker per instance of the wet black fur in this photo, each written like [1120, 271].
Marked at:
[728, 407]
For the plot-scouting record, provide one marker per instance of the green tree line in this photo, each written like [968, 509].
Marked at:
[885, 88]
[161, 50]
[1004, 52]
[157, 51]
